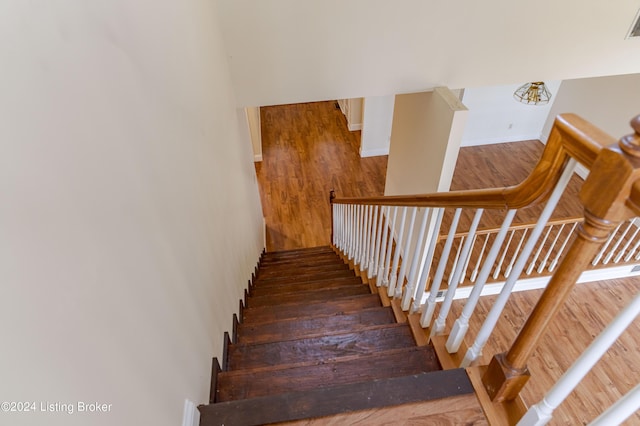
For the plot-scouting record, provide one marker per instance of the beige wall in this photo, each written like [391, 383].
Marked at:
[607, 102]
[130, 217]
[425, 139]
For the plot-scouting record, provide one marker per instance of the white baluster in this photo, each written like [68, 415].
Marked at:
[541, 413]
[626, 246]
[356, 220]
[393, 274]
[621, 410]
[427, 313]
[371, 270]
[550, 250]
[467, 261]
[455, 261]
[376, 245]
[461, 325]
[564, 245]
[350, 222]
[474, 274]
[633, 250]
[387, 261]
[432, 237]
[418, 254]
[540, 247]
[438, 326]
[617, 244]
[343, 223]
[365, 239]
[496, 272]
[360, 235]
[491, 320]
[605, 246]
[406, 252]
[515, 254]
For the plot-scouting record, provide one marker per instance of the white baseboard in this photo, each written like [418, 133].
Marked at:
[191, 415]
[354, 127]
[257, 157]
[501, 139]
[374, 152]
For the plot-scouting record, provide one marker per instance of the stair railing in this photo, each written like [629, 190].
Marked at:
[409, 263]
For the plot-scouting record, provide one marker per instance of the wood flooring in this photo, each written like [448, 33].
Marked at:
[307, 150]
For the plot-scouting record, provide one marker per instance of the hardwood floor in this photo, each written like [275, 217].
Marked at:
[590, 308]
[307, 150]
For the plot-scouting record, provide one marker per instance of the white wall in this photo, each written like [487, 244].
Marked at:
[285, 51]
[376, 126]
[130, 217]
[425, 139]
[496, 117]
[607, 102]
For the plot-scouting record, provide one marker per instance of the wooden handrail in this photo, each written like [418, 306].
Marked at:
[570, 136]
[609, 195]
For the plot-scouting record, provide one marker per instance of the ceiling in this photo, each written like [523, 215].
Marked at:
[284, 51]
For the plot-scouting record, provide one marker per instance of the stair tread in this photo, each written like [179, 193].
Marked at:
[301, 269]
[280, 288]
[314, 326]
[306, 276]
[281, 254]
[326, 401]
[371, 339]
[304, 310]
[320, 258]
[250, 383]
[308, 296]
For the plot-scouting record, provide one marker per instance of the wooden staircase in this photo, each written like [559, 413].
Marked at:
[313, 342]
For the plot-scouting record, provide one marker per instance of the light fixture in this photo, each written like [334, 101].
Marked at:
[535, 93]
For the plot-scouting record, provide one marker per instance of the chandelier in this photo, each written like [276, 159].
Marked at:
[535, 93]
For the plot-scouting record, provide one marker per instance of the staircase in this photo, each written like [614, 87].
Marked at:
[314, 342]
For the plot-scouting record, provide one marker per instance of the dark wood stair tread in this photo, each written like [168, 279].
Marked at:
[295, 270]
[308, 296]
[251, 383]
[318, 259]
[309, 327]
[372, 339]
[337, 399]
[280, 288]
[298, 253]
[305, 276]
[296, 309]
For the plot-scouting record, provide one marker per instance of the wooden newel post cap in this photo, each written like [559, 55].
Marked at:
[630, 144]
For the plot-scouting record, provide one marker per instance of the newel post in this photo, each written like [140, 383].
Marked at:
[610, 195]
